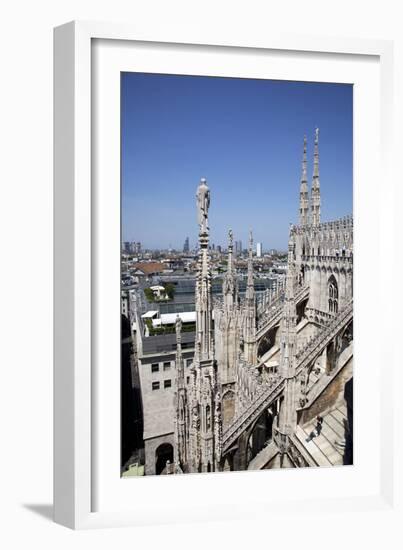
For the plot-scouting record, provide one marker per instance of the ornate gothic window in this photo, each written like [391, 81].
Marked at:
[208, 417]
[333, 295]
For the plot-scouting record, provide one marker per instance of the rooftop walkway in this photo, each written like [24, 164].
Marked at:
[327, 449]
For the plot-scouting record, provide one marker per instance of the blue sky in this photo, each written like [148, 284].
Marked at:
[246, 137]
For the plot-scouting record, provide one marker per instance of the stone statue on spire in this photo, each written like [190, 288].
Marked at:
[203, 204]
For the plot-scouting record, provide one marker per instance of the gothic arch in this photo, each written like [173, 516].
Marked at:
[267, 341]
[228, 406]
[348, 333]
[333, 294]
[227, 463]
[259, 433]
[208, 417]
[163, 453]
[228, 391]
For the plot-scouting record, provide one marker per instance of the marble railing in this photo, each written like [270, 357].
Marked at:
[269, 392]
[270, 298]
[273, 314]
[310, 351]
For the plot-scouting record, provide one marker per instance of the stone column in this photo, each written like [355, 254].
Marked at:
[240, 456]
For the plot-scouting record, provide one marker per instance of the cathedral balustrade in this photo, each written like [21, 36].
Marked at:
[263, 398]
[301, 294]
[315, 345]
[332, 261]
[268, 304]
[267, 318]
[267, 393]
[319, 317]
[336, 226]
[274, 314]
[311, 389]
[270, 297]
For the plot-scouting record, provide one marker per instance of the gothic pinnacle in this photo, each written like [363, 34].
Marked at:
[250, 285]
[315, 191]
[303, 191]
[304, 162]
[230, 248]
[203, 281]
[316, 159]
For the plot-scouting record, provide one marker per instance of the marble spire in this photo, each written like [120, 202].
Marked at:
[303, 192]
[315, 191]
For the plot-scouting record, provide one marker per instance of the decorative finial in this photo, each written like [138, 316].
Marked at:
[230, 237]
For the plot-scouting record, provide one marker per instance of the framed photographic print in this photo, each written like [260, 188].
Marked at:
[211, 330]
[216, 218]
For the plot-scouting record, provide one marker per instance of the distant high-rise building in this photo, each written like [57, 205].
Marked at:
[131, 247]
[186, 245]
[238, 248]
[258, 250]
[134, 248]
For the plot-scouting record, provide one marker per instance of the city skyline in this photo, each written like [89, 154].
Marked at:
[246, 138]
[194, 246]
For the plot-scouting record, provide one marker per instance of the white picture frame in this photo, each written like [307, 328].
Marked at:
[78, 211]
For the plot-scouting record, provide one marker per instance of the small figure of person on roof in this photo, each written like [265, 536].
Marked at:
[317, 430]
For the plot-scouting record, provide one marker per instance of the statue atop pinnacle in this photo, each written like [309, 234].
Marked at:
[203, 204]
